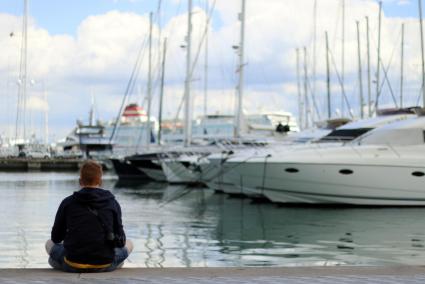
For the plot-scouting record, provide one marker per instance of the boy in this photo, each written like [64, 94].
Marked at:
[88, 235]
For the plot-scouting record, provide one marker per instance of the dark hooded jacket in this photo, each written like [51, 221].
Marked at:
[82, 232]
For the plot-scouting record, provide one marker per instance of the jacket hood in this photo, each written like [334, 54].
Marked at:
[94, 197]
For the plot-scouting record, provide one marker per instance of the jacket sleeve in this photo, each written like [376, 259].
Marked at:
[118, 227]
[59, 227]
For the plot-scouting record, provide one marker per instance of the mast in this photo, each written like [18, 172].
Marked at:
[187, 118]
[307, 103]
[239, 111]
[149, 88]
[91, 113]
[161, 95]
[343, 58]
[360, 71]
[313, 93]
[402, 66]
[206, 61]
[369, 86]
[378, 66]
[300, 100]
[422, 51]
[23, 80]
[46, 116]
[328, 77]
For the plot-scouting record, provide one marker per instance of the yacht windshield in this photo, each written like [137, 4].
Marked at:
[344, 135]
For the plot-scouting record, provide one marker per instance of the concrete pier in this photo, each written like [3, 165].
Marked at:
[340, 275]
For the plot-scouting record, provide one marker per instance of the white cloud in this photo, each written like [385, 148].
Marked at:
[100, 57]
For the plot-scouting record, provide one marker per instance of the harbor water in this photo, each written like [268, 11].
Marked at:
[175, 226]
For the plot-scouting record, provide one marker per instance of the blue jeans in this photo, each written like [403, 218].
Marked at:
[57, 254]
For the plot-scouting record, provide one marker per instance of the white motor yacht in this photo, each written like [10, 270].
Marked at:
[383, 167]
[233, 173]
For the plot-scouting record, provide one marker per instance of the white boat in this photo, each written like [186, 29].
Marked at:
[383, 167]
[234, 175]
[186, 168]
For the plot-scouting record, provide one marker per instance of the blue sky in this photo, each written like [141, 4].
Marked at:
[60, 17]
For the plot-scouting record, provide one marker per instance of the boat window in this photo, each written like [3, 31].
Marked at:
[291, 170]
[344, 135]
[346, 172]
[418, 174]
[409, 136]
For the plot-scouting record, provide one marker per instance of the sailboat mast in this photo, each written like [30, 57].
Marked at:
[239, 111]
[307, 103]
[206, 60]
[313, 93]
[369, 82]
[360, 71]
[422, 50]
[300, 99]
[187, 117]
[378, 66]
[22, 89]
[343, 58]
[149, 87]
[328, 77]
[46, 115]
[161, 95]
[402, 66]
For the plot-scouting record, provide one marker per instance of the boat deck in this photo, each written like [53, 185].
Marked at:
[399, 274]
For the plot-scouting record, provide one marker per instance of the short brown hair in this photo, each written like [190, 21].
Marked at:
[91, 173]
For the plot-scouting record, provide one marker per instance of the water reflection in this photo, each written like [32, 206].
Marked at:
[175, 226]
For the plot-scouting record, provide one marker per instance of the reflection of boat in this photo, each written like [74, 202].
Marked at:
[141, 190]
[251, 234]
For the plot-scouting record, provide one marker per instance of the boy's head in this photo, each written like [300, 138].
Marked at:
[91, 174]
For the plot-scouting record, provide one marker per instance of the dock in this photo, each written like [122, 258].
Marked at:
[340, 275]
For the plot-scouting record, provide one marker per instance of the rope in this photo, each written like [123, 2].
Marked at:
[341, 83]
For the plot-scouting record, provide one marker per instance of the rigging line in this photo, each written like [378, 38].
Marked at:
[195, 62]
[419, 95]
[339, 12]
[198, 53]
[340, 82]
[133, 73]
[385, 70]
[313, 98]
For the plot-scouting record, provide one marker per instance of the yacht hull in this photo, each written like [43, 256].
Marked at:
[355, 184]
[125, 170]
[149, 166]
[176, 172]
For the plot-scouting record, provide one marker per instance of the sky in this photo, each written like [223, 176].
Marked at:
[84, 50]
